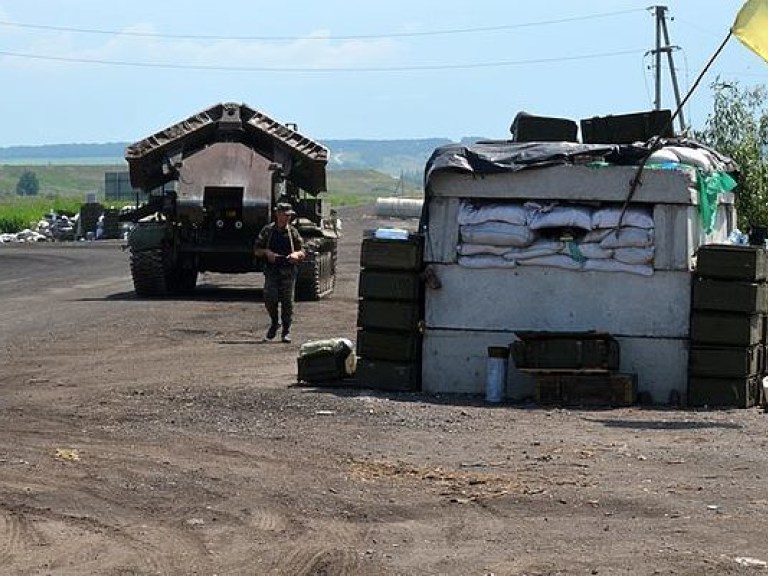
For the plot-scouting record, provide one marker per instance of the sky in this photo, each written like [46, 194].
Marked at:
[93, 71]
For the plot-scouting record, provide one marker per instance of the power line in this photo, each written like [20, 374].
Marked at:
[410, 68]
[446, 32]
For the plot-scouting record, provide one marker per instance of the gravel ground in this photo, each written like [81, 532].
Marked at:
[147, 437]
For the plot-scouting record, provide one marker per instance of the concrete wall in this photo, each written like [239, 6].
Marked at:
[551, 299]
[571, 183]
[455, 361]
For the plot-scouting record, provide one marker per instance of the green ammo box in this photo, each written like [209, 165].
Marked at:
[389, 345]
[565, 351]
[385, 375]
[389, 285]
[315, 369]
[730, 296]
[577, 389]
[392, 254]
[725, 361]
[732, 262]
[726, 328]
[389, 315]
[724, 392]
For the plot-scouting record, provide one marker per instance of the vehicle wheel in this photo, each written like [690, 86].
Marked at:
[316, 277]
[181, 280]
[148, 272]
[308, 278]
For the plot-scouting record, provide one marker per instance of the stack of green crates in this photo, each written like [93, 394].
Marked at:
[89, 217]
[728, 318]
[111, 223]
[390, 314]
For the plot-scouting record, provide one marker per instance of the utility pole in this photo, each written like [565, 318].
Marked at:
[662, 34]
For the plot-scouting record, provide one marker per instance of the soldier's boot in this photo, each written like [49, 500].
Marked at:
[286, 334]
[274, 325]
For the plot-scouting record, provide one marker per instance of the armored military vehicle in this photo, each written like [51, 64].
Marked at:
[210, 184]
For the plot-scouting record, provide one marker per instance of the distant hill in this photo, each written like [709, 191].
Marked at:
[393, 157]
[63, 151]
[388, 156]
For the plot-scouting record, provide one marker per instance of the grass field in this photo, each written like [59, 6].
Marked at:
[64, 188]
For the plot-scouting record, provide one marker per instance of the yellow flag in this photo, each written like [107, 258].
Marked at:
[751, 27]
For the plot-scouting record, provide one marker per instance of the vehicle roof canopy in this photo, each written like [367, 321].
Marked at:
[156, 159]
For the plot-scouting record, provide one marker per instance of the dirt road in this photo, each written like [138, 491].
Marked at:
[143, 437]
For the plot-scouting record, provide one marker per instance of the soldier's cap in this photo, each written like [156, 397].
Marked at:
[284, 207]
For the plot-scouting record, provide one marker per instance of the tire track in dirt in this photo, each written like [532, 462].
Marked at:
[336, 551]
[16, 534]
[92, 537]
[102, 512]
[314, 559]
[267, 520]
[140, 546]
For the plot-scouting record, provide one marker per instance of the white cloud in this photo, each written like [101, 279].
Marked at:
[317, 51]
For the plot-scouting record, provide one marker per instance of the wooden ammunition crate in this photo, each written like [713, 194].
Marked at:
[565, 351]
[726, 328]
[733, 262]
[724, 392]
[578, 389]
[730, 296]
[389, 285]
[378, 253]
[726, 361]
[389, 315]
[395, 346]
[385, 375]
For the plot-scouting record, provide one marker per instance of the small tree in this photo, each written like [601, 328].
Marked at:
[28, 184]
[738, 127]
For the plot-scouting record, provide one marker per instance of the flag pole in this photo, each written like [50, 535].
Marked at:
[657, 140]
[699, 79]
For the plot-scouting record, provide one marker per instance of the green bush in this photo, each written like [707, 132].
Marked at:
[16, 214]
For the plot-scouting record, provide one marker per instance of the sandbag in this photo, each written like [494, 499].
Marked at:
[628, 237]
[594, 250]
[609, 218]
[616, 266]
[478, 214]
[497, 234]
[634, 255]
[595, 236]
[561, 217]
[475, 249]
[556, 261]
[485, 261]
[539, 248]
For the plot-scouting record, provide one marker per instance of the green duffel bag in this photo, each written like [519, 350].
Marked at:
[326, 360]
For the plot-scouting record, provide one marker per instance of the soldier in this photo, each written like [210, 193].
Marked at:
[280, 243]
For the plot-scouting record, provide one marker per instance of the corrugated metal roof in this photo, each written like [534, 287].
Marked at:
[151, 160]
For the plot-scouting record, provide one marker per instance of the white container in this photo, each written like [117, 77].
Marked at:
[496, 374]
[399, 207]
[391, 234]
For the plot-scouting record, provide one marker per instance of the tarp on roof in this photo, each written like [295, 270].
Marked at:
[492, 157]
[154, 160]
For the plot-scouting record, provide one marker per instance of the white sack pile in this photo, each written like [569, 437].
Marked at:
[26, 235]
[573, 237]
[58, 228]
